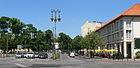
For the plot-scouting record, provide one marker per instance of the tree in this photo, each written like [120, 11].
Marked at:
[91, 41]
[49, 39]
[76, 45]
[5, 41]
[28, 34]
[64, 41]
[16, 26]
[4, 24]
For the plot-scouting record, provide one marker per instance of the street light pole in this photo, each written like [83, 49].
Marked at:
[55, 17]
[7, 46]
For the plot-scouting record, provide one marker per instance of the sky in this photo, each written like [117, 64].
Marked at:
[74, 13]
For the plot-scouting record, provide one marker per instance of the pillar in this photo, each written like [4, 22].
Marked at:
[120, 46]
[132, 50]
[124, 49]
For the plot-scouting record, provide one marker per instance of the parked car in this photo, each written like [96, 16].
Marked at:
[43, 55]
[19, 55]
[30, 55]
[76, 54]
[24, 55]
[36, 55]
[72, 54]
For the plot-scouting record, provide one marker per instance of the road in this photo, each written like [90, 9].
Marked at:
[64, 62]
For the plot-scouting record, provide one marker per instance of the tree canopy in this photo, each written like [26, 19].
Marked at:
[14, 32]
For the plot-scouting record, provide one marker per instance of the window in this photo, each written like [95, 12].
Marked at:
[117, 36]
[128, 23]
[137, 43]
[117, 26]
[112, 27]
[128, 34]
[121, 24]
[121, 35]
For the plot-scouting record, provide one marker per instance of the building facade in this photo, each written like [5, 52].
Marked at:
[123, 32]
[90, 26]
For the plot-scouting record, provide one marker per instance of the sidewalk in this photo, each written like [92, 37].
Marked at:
[7, 58]
[119, 60]
[111, 60]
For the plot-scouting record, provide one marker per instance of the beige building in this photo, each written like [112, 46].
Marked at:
[123, 32]
[90, 26]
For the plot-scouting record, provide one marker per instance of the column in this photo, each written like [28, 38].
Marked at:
[132, 50]
[120, 46]
[125, 49]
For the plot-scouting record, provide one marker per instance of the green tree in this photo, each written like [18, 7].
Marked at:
[91, 41]
[16, 26]
[49, 39]
[28, 34]
[5, 42]
[4, 24]
[76, 45]
[64, 41]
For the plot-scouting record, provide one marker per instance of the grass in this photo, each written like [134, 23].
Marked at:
[56, 56]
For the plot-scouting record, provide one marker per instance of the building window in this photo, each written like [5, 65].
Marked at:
[117, 36]
[128, 34]
[121, 35]
[128, 23]
[121, 24]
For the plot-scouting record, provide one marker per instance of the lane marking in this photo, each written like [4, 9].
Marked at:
[20, 65]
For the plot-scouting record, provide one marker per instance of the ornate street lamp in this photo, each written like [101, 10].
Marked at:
[55, 17]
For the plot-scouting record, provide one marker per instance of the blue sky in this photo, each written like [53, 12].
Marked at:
[74, 13]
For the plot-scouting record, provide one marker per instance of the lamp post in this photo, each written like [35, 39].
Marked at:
[7, 46]
[55, 17]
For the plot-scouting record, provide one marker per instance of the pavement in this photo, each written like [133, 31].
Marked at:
[64, 62]
[111, 60]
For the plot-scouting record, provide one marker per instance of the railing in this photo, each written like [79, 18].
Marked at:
[6, 55]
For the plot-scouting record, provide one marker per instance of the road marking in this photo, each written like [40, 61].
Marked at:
[20, 65]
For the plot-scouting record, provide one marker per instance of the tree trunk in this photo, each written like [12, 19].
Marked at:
[28, 50]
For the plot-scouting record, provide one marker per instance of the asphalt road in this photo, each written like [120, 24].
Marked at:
[64, 62]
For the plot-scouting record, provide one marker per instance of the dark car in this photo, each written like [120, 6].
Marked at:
[43, 55]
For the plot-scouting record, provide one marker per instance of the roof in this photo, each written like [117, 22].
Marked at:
[132, 11]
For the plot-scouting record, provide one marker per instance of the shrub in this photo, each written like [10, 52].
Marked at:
[138, 54]
[57, 56]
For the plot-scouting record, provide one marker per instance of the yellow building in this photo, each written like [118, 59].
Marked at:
[90, 26]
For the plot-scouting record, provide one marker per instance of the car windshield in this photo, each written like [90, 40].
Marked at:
[36, 53]
[40, 54]
[24, 53]
[19, 53]
[46, 54]
[30, 53]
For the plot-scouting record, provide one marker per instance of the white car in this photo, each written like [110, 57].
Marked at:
[18, 55]
[72, 54]
[25, 54]
[30, 55]
[36, 55]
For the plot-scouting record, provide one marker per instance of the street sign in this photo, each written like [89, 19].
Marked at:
[56, 45]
